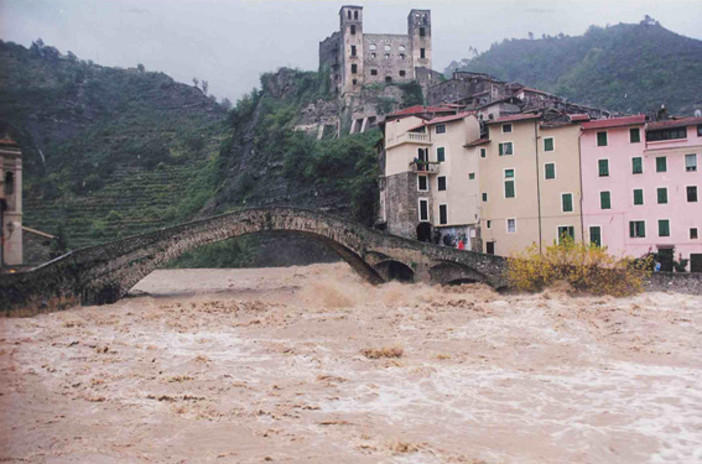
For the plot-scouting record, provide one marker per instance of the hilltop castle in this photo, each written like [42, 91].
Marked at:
[353, 58]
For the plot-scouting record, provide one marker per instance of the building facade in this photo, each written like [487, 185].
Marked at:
[641, 186]
[353, 58]
[10, 202]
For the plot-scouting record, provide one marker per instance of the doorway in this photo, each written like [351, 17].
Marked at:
[490, 248]
[424, 232]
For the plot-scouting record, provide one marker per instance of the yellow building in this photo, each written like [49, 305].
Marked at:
[10, 202]
[530, 182]
[429, 189]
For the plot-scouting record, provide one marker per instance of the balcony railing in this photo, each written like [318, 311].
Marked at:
[410, 137]
[425, 167]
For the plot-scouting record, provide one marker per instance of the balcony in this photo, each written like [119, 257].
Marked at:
[425, 167]
[419, 138]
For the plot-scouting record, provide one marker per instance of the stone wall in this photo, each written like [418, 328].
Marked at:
[397, 48]
[401, 204]
[690, 283]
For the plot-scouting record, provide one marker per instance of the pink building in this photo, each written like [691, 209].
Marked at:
[642, 186]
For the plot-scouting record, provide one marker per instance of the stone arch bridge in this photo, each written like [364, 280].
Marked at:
[105, 273]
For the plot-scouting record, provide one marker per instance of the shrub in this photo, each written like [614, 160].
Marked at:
[587, 268]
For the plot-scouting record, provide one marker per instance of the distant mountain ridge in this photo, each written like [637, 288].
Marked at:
[628, 68]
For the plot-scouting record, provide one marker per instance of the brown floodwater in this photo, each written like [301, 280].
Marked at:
[310, 364]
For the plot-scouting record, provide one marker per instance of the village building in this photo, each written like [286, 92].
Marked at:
[429, 186]
[529, 181]
[353, 58]
[10, 202]
[641, 187]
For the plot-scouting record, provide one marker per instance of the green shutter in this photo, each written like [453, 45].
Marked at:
[550, 171]
[509, 189]
[440, 155]
[662, 196]
[483, 152]
[663, 228]
[595, 236]
[603, 167]
[634, 135]
[501, 150]
[636, 165]
[632, 229]
[548, 144]
[605, 200]
[661, 165]
[638, 197]
[602, 139]
[567, 200]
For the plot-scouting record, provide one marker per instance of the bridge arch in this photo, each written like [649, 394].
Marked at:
[448, 272]
[392, 269]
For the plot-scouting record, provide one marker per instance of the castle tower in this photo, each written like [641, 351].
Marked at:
[351, 48]
[419, 31]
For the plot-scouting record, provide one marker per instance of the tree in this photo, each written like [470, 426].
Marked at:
[205, 86]
[196, 82]
[140, 68]
[226, 103]
[531, 36]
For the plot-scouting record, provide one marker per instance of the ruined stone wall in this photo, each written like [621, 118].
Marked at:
[387, 56]
[329, 59]
[401, 204]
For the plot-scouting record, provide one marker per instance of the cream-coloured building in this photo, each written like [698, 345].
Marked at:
[429, 188]
[530, 185]
[10, 202]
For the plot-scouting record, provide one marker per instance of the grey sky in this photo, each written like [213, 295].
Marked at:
[229, 43]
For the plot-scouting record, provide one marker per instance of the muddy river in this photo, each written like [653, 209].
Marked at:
[310, 364]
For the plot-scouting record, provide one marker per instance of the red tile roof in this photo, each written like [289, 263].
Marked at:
[442, 119]
[673, 123]
[420, 109]
[8, 142]
[579, 117]
[637, 119]
[514, 117]
[477, 142]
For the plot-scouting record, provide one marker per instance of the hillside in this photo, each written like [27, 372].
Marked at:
[627, 67]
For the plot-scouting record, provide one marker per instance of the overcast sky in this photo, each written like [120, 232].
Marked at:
[230, 43]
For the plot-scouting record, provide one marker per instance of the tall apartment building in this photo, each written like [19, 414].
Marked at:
[354, 58]
[10, 202]
[529, 182]
[641, 187]
[429, 188]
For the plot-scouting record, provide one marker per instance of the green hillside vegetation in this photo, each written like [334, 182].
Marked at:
[627, 68]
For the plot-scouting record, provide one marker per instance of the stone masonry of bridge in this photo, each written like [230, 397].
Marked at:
[105, 273]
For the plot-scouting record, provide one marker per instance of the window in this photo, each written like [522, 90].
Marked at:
[440, 154]
[603, 167]
[354, 68]
[634, 135]
[471, 176]
[483, 152]
[402, 73]
[638, 197]
[353, 50]
[605, 200]
[422, 32]
[441, 183]
[386, 56]
[596, 236]
[422, 53]
[388, 79]
[355, 15]
[506, 128]
[550, 170]
[548, 144]
[693, 233]
[423, 209]
[485, 197]
[666, 134]
[511, 226]
[662, 195]
[440, 128]
[422, 184]
[9, 187]
[661, 164]
[663, 228]
[505, 148]
[637, 229]
[509, 183]
[699, 130]
[566, 231]
[637, 165]
[354, 81]
[374, 72]
[349, 14]
[692, 193]
[401, 48]
[402, 56]
[443, 214]
[373, 54]
[387, 48]
[488, 224]
[602, 139]
[691, 162]
[567, 202]
[353, 29]
[373, 47]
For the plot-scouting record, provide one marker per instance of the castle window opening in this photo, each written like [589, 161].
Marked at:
[422, 53]
[387, 56]
[349, 14]
[353, 50]
[373, 46]
[388, 48]
[353, 29]
[355, 15]
[422, 32]
[354, 82]
[388, 79]
[374, 72]
[402, 56]
[402, 73]
[373, 55]
[401, 48]
[354, 68]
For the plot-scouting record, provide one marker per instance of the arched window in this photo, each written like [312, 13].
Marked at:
[388, 48]
[388, 79]
[9, 183]
[372, 47]
[401, 48]
[349, 14]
